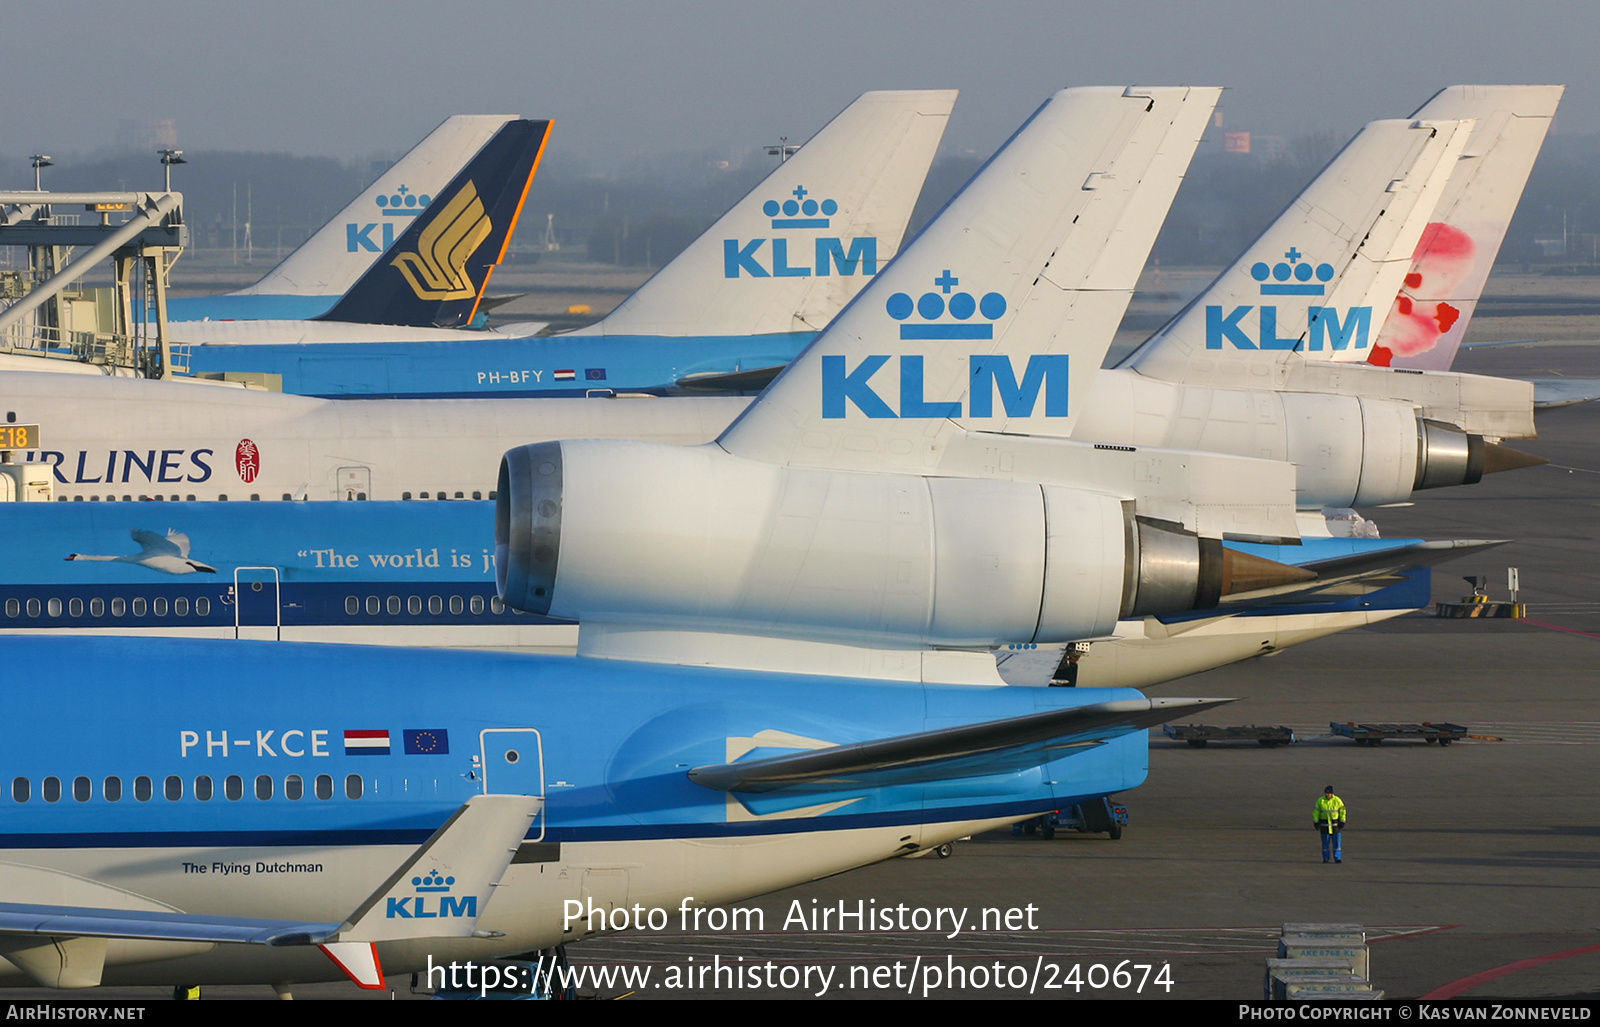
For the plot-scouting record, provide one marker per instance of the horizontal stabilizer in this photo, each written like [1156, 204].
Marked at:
[1549, 393]
[753, 380]
[1371, 564]
[972, 751]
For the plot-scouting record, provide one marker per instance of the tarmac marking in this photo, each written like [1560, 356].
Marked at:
[1557, 627]
[1455, 988]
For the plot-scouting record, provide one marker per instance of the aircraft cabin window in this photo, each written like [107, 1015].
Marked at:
[405, 495]
[374, 606]
[460, 496]
[324, 786]
[20, 789]
[493, 496]
[496, 604]
[222, 497]
[293, 788]
[34, 608]
[203, 789]
[142, 789]
[414, 605]
[477, 495]
[75, 607]
[97, 607]
[13, 608]
[456, 605]
[255, 497]
[394, 606]
[476, 606]
[233, 787]
[352, 605]
[82, 790]
[173, 788]
[435, 605]
[54, 606]
[51, 789]
[180, 607]
[111, 789]
[118, 607]
[263, 786]
[352, 786]
[158, 606]
[139, 607]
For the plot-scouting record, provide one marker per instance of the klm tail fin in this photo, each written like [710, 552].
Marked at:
[1024, 276]
[1310, 282]
[1458, 248]
[792, 253]
[328, 263]
[435, 274]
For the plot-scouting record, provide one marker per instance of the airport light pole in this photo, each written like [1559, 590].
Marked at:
[781, 149]
[169, 158]
[40, 160]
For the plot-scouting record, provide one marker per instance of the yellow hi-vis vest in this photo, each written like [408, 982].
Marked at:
[1329, 809]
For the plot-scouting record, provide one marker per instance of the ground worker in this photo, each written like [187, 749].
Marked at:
[1328, 819]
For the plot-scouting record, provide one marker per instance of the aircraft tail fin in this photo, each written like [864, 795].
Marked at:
[341, 251]
[437, 271]
[793, 252]
[1310, 282]
[1458, 248]
[1023, 277]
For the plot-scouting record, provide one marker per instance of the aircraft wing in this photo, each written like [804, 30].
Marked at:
[465, 860]
[974, 750]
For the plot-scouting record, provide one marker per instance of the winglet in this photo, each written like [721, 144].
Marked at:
[443, 888]
[436, 272]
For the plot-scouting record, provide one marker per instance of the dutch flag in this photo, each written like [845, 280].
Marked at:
[366, 743]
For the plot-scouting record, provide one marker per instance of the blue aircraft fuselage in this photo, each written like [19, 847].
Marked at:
[288, 781]
[494, 366]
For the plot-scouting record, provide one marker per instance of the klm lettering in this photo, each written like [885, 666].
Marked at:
[830, 257]
[416, 907]
[1326, 329]
[988, 376]
[358, 238]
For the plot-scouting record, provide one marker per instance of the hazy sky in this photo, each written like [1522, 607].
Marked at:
[621, 77]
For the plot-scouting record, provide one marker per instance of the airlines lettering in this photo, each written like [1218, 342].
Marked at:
[830, 257]
[988, 375]
[1327, 330]
[151, 465]
[359, 237]
[293, 743]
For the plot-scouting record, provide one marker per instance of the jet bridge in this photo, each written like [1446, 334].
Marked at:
[119, 331]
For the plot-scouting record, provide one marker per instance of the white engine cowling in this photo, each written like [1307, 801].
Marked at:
[634, 532]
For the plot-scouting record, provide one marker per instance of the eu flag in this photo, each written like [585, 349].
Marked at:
[433, 741]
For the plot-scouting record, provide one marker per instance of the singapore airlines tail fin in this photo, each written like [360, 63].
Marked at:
[997, 316]
[795, 250]
[437, 271]
[1309, 284]
[1458, 248]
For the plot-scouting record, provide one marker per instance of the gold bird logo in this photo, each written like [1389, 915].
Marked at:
[438, 269]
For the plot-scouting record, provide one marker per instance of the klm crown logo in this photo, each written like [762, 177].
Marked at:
[800, 212]
[438, 268]
[1292, 268]
[402, 203]
[932, 306]
[419, 906]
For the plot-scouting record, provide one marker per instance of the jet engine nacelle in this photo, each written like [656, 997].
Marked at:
[1347, 450]
[692, 537]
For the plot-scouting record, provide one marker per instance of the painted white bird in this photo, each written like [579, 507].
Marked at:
[169, 555]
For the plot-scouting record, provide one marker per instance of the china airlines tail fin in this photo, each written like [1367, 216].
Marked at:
[436, 272]
[328, 263]
[1310, 282]
[1458, 248]
[794, 251]
[997, 316]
